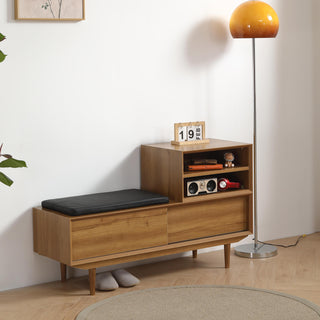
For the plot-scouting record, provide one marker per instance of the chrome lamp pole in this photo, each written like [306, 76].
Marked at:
[254, 19]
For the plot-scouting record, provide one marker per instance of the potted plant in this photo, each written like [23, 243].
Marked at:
[2, 55]
[9, 162]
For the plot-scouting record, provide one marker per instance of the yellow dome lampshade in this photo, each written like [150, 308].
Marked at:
[254, 19]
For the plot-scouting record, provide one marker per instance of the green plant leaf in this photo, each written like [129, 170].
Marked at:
[2, 56]
[6, 180]
[12, 163]
[2, 37]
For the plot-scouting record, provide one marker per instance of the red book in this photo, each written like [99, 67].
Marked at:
[204, 167]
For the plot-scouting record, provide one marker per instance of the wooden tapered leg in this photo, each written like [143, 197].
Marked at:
[194, 254]
[92, 280]
[227, 255]
[63, 271]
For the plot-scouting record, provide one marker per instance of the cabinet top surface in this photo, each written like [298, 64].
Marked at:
[214, 144]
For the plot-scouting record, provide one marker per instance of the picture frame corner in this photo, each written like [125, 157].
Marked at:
[18, 15]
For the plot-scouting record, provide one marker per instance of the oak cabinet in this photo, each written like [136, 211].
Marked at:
[183, 224]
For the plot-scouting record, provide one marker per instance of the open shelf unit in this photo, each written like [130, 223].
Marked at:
[164, 168]
[225, 213]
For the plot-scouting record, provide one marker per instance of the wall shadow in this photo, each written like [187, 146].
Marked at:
[206, 42]
[126, 175]
[21, 266]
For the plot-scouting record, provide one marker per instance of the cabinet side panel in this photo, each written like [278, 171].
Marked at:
[176, 176]
[161, 172]
[250, 213]
[250, 185]
[155, 170]
[51, 234]
[251, 168]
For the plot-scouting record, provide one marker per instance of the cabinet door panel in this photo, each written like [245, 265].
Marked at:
[206, 219]
[95, 237]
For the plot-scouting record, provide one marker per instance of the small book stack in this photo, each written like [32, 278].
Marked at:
[205, 164]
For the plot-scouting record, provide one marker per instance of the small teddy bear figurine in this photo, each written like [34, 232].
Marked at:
[229, 158]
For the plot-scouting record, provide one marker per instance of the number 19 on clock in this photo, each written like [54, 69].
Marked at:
[190, 133]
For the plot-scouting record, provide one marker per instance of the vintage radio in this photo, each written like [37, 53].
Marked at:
[201, 186]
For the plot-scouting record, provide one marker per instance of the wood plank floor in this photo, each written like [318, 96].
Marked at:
[294, 271]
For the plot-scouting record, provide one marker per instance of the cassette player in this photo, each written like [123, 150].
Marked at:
[200, 186]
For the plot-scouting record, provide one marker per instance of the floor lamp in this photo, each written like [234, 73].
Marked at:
[254, 19]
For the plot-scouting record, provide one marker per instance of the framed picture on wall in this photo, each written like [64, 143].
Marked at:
[56, 10]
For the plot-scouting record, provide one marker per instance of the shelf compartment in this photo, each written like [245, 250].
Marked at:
[191, 174]
[241, 156]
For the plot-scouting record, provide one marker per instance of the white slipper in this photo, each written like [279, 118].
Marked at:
[106, 282]
[125, 278]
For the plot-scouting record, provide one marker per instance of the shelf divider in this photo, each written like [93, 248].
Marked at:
[218, 195]
[199, 173]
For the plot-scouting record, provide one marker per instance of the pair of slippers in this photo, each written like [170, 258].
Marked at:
[108, 281]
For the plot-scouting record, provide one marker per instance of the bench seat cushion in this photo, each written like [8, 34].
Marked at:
[103, 202]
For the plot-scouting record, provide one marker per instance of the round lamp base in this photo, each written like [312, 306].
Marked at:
[256, 251]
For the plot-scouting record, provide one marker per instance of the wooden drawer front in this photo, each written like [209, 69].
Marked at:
[118, 233]
[207, 219]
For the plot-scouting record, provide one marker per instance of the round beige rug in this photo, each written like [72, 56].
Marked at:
[202, 302]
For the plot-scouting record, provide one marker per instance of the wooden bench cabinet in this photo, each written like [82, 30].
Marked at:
[185, 223]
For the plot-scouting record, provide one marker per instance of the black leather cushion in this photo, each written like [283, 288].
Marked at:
[102, 202]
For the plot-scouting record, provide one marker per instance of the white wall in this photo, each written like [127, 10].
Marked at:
[78, 99]
[316, 113]
[286, 143]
